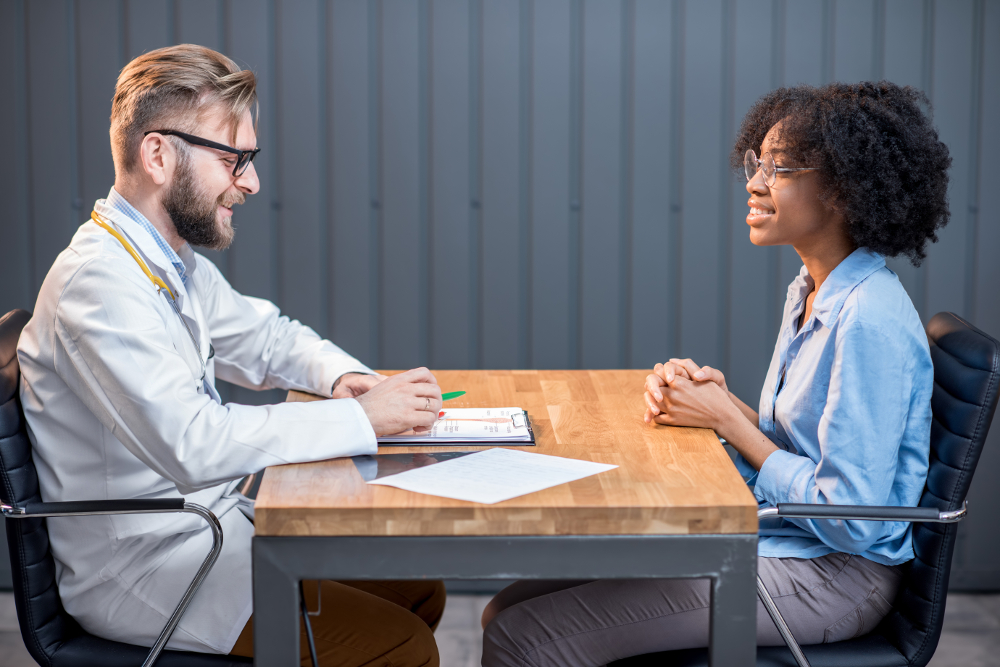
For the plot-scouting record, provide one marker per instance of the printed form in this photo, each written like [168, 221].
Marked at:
[493, 475]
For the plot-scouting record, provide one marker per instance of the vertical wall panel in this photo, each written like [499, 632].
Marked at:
[252, 257]
[501, 262]
[302, 260]
[252, 260]
[653, 167]
[853, 31]
[952, 76]
[986, 309]
[404, 286]
[975, 563]
[348, 122]
[149, 24]
[752, 326]
[806, 57]
[904, 49]
[701, 337]
[601, 342]
[52, 135]
[550, 150]
[200, 22]
[450, 311]
[98, 64]
[16, 255]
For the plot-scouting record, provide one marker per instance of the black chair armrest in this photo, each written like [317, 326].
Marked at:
[33, 510]
[863, 513]
[85, 507]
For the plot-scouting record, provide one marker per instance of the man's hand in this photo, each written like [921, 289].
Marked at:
[352, 385]
[408, 400]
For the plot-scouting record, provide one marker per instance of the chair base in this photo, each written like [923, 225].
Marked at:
[867, 651]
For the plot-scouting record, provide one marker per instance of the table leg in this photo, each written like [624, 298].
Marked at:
[732, 638]
[730, 561]
[276, 611]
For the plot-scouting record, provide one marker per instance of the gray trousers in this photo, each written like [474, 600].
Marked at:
[592, 623]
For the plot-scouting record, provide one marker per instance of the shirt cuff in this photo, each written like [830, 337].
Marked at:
[333, 387]
[777, 476]
[329, 377]
[371, 440]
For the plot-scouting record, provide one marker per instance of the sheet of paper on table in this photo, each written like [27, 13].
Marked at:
[493, 475]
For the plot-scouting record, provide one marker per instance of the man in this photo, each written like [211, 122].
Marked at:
[119, 364]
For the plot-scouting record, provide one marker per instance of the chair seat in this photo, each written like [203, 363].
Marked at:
[87, 650]
[868, 651]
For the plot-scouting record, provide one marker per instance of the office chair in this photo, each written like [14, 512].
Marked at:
[51, 635]
[966, 376]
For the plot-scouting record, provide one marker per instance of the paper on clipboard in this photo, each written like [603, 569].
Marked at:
[470, 425]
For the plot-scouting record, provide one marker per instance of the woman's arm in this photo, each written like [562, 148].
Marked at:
[746, 410]
[706, 404]
[858, 437]
[686, 368]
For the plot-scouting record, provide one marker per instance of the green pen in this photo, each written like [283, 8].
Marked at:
[452, 394]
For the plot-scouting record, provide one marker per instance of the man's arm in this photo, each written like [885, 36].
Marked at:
[259, 348]
[115, 352]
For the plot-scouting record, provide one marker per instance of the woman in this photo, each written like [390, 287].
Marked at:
[847, 175]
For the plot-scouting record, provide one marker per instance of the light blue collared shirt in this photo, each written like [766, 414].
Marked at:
[121, 204]
[851, 417]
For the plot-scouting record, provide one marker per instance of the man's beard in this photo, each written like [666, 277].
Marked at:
[194, 213]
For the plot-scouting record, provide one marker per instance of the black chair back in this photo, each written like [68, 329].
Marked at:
[966, 376]
[44, 623]
[51, 635]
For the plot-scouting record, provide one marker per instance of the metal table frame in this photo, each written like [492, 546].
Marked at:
[730, 561]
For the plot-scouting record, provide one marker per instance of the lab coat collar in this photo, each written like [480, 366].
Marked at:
[147, 247]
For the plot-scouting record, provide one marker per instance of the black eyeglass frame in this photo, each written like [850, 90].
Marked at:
[243, 158]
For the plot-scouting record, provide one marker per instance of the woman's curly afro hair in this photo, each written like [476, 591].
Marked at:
[880, 161]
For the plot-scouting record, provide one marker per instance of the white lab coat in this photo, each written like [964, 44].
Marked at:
[115, 409]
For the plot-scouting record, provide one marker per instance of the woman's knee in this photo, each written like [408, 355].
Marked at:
[500, 647]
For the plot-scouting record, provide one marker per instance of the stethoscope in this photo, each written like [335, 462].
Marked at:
[160, 286]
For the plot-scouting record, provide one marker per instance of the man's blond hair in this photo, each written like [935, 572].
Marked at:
[171, 89]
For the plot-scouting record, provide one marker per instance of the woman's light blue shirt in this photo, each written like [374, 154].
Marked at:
[851, 417]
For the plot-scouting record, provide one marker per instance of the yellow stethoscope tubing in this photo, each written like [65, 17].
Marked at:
[157, 281]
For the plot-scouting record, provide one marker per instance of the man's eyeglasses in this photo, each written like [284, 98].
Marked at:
[243, 158]
[766, 164]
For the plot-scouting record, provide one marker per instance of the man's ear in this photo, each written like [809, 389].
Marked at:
[157, 157]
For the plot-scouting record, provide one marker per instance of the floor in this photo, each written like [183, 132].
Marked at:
[971, 633]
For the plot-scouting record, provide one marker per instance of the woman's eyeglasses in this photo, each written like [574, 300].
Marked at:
[243, 158]
[766, 164]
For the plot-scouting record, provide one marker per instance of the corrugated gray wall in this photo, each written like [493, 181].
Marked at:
[483, 184]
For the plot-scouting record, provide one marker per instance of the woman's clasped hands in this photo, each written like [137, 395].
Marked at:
[681, 393]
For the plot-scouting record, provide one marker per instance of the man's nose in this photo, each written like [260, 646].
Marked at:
[248, 182]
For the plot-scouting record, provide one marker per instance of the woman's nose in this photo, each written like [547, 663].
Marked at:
[756, 185]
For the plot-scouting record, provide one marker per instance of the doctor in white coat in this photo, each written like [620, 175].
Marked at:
[119, 363]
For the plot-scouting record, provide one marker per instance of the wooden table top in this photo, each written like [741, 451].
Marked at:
[669, 480]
